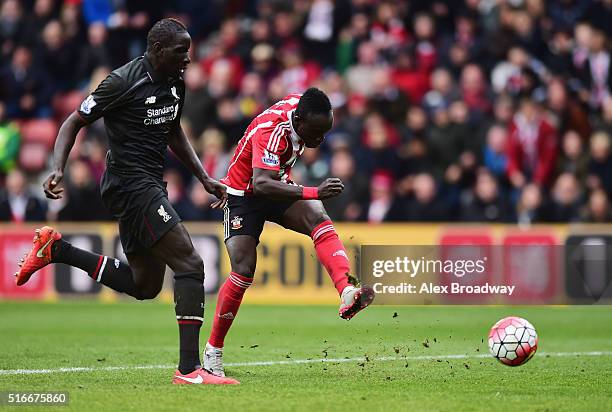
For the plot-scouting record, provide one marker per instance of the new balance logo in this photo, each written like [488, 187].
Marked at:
[228, 315]
[340, 253]
[173, 91]
[162, 212]
[151, 100]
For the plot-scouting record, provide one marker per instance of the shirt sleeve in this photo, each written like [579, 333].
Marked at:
[268, 146]
[94, 105]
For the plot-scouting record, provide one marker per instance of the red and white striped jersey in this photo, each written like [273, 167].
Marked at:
[270, 142]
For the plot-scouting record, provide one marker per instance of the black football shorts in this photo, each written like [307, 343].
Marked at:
[142, 208]
[246, 215]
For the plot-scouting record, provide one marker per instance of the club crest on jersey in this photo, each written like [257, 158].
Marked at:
[88, 104]
[173, 91]
[270, 159]
[236, 222]
[151, 100]
[164, 215]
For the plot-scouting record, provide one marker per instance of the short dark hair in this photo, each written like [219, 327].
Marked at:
[313, 102]
[163, 32]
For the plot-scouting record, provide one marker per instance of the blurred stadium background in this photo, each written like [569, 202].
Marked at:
[479, 122]
[486, 111]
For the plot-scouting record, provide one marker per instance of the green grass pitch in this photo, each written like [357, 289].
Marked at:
[306, 358]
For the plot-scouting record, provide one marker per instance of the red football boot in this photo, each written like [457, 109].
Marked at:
[39, 256]
[201, 377]
[354, 300]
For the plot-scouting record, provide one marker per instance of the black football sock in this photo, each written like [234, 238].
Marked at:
[103, 269]
[189, 308]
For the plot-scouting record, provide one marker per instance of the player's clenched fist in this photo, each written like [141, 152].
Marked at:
[330, 187]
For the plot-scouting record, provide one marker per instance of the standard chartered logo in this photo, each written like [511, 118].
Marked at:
[162, 115]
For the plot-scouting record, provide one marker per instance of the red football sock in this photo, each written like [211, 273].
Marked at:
[332, 254]
[228, 303]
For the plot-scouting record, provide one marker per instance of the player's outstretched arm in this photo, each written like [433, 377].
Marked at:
[266, 184]
[181, 147]
[63, 145]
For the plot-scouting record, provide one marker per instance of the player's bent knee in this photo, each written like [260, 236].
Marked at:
[320, 218]
[243, 267]
[246, 271]
[315, 219]
[147, 294]
[191, 262]
[195, 276]
[243, 264]
[196, 263]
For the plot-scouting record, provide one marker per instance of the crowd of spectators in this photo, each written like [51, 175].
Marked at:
[475, 110]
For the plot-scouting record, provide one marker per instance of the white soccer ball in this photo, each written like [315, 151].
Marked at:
[513, 341]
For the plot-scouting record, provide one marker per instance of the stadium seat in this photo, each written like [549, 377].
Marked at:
[41, 131]
[66, 103]
[33, 157]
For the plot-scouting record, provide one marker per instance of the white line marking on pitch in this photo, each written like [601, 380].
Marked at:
[287, 362]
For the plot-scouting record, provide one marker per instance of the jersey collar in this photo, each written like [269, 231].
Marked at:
[153, 75]
[294, 135]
